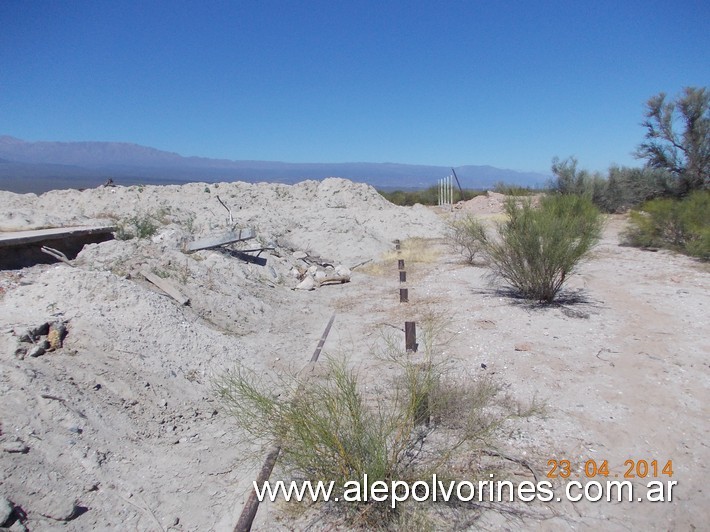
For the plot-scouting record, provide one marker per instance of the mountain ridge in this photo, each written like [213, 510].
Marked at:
[35, 166]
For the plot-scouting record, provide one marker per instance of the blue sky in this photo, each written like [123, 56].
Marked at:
[510, 84]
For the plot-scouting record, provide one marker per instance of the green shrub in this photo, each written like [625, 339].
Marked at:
[139, 226]
[680, 225]
[330, 429]
[538, 248]
[467, 236]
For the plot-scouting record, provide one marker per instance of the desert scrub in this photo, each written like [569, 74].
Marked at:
[680, 225]
[138, 226]
[413, 251]
[330, 428]
[467, 236]
[538, 248]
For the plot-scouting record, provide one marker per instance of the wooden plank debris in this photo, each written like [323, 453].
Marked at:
[316, 353]
[246, 518]
[229, 237]
[335, 279]
[252, 505]
[20, 238]
[167, 287]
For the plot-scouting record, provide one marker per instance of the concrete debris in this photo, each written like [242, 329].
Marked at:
[308, 283]
[315, 276]
[39, 350]
[6, 510]
[37, 341]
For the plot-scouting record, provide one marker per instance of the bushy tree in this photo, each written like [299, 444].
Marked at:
[571, 180]
[684, 154]
[629, 187]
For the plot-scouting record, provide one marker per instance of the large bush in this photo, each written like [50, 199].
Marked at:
[681, 225]
[538, 247]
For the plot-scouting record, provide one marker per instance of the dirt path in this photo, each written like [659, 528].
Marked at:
[625, 373]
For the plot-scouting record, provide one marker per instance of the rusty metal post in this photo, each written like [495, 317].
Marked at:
[400, 264]
[410, 336]
[402, 277]
[403, 295]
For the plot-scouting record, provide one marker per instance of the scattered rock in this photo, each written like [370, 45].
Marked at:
[299, 254]
[57, 508]
[17, 446]
[37, 351]
[40, 330]
[17, 526]
[6, 510]
[307, 284]
[55, 336]
[342, 271]
[525, 346]
[20, 351]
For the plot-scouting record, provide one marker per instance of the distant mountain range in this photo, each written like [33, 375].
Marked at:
[41, 166]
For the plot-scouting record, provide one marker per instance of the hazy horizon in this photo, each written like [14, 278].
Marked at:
[502, 84]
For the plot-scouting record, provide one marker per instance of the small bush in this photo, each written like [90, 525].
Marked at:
[330, 429]
[467, 236]
[538, 248]
[139, 226]
[680, 225]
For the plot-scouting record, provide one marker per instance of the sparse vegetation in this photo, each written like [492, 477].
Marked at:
[680, 225]
[413, 251]
[139, 226]
[467, 236]
[537, 248]
[624, 188]
[329, 428]
[428, 196]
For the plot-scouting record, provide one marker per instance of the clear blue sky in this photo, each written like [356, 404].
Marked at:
[510, 84]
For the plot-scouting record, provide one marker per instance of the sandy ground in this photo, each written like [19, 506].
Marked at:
[120, 428]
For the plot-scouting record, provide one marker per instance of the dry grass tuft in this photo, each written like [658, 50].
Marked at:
[413, 251]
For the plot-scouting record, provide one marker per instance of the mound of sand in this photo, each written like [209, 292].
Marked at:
[120, 425]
